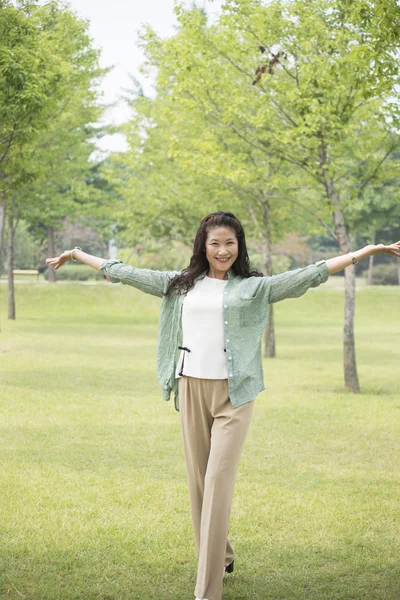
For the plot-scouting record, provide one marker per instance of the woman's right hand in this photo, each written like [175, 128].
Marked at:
[58, 261]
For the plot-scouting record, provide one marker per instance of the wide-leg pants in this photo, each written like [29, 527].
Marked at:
[213, 436]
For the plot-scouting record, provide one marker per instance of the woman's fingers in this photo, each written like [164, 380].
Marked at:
[58, 261]
[54, 262]
[390, 249]
[395, 249]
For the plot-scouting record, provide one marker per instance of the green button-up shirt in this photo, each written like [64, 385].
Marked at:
[245, 313]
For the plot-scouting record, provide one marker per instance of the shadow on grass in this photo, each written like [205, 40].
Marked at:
[157, 568]
[316, 573]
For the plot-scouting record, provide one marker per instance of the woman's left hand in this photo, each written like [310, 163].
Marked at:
[390, 249]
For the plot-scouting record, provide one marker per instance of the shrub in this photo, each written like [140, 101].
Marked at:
[385, 275]
[76, 273]
[280, 263]
[167, 256]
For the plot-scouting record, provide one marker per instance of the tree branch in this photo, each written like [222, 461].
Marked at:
[250, 75]
[321, 221]
[366, 181]
[262, 43]
[9, 144]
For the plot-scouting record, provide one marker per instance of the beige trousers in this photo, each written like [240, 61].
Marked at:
[213, 435]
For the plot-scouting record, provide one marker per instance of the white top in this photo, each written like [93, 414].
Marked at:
[203, 331]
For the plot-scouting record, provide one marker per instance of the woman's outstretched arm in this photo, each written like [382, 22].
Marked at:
[92, 261]
[294, 284]
[341, 262]
[147, 280]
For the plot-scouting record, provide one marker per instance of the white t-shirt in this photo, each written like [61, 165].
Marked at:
[203, 331]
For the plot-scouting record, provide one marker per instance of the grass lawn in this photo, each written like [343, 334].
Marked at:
[94, 501]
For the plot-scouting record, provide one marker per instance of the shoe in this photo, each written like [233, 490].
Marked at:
[229, 568]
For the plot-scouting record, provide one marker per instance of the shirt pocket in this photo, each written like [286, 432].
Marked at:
[251, 310]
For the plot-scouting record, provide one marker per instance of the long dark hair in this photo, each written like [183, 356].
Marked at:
[183, 282]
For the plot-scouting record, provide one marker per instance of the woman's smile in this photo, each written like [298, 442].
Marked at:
[220, 239]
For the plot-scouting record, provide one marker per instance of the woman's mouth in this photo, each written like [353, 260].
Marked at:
[223, 260]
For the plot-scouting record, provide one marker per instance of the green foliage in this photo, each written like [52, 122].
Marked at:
[280, 263]
[103, 203]
[286, 111]
[49, 104]
[27, 248]
[184, 161]
[164, 255]
[385, 274]
[72, 272]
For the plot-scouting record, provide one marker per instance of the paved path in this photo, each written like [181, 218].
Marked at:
[334, 282]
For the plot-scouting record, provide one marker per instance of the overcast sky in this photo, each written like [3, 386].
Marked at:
[114, 26]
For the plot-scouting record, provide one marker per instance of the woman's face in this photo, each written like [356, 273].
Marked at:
[221, 250]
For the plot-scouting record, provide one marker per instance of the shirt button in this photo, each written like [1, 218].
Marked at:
[230, 374]
[226, 322]
[225, 306]
[227, 341]
[230, 358]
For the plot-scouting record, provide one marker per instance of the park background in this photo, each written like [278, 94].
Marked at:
[287, 114]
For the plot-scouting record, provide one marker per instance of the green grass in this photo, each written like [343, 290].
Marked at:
[94, 499]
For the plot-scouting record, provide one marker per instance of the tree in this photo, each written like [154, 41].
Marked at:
[378, 208]
[46, 63]
[184, 162]
[312, 85]
[61, 160]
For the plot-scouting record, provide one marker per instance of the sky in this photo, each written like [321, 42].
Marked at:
[114, 28]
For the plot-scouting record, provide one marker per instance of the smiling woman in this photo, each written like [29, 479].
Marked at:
[221, 251]
[219, 246]
[214, 312]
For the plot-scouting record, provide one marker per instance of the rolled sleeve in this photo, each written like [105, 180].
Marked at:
[323, 270]
[294, 284]
[146, 280]
[111, 274]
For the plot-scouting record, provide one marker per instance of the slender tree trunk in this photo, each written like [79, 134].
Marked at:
[349, 352]
[398, 270]
[52, 252]
[2, 224]
[371, 262]
[10, 253]
[269, 332]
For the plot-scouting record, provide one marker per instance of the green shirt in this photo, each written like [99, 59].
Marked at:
[245, 312]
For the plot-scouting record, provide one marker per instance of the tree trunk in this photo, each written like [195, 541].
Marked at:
[269, 332]
[52, 252]
[398, 270]
[371, 262]
[10, 252]
[2, 224]
[349, 353]
[351, 383]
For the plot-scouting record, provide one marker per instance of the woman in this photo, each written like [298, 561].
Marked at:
[215, 312]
